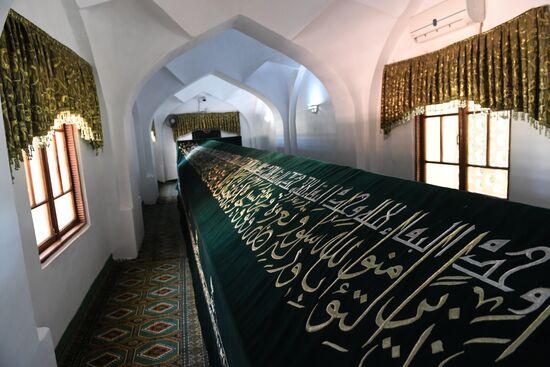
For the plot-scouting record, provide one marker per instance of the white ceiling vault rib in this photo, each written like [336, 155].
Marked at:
[393, 8]
[197, 17]
[231, 52]
[89, 3]
[208, 84]
[275, 14]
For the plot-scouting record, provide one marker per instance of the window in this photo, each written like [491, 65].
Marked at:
[464, 148]
[55, 195]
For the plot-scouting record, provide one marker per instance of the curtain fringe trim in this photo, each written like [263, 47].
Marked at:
[516, 116]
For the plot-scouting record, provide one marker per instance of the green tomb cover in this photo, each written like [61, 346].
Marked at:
[297, 262]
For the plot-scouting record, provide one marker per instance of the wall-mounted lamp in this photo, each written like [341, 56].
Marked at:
[313, 108]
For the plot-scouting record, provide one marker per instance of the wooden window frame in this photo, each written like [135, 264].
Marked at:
[59, 237]
[463, 120]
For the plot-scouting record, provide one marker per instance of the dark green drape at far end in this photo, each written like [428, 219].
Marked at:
[188, 122]
[40, 78]
[505, 68]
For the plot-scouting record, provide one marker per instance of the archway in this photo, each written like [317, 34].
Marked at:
[218, 86]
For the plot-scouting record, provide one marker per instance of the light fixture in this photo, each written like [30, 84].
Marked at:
[313, 108]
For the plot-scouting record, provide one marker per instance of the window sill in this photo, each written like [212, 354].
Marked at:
[48, 255]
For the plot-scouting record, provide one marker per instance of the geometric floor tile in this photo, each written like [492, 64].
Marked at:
[120, 313]
[160, 308]
[161, 351]
[113, 334]
[164, 278]
[163, 291]
[166, 267]
[144, 314]
[126, 296]
[130, 282]
[160, 327]
[110, 358]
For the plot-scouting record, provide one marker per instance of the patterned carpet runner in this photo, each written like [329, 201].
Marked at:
[144, 314]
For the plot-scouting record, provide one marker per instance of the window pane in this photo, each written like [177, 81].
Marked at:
[64, 209]
[52, 166]
[477, 139]
[63, 160]
[488, 181]
[37, 174]
[29, 180]
[442, 175]
[41, 222]
[450, 139]
[500, 139]
[433, 139]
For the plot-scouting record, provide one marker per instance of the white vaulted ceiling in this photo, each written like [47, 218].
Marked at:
[231, 52]
[285, 17]
[87, 3]
[390, 7]
[227, 61]
[338, 40]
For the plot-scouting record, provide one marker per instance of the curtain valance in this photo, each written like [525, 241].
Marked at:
[505, 68]
[188, 122]
[42, 80]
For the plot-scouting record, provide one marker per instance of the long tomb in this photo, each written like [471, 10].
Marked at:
[297, 262]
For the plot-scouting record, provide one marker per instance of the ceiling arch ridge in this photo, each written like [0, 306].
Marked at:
[234, 52]
[161, 86]
[215, 96]
[335, 85]
[337, 88]
[82, 4]
[197, 17]
[174, 75]
[392, 8]
[274, 64]
[249, 89]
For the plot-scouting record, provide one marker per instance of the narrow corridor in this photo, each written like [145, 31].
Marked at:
[143, 311]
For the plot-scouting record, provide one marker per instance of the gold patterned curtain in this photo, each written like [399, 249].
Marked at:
[42, 80]
[188, 122]
[505, 68]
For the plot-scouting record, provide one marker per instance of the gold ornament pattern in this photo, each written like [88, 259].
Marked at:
[505, 68]
[188, 122]
[41, 80]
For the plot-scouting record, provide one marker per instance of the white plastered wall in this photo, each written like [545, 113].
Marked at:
[55, 289]
[118, 33]
[316, 132]
[21, 344]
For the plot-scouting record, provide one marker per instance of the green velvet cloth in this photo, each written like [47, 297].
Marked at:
[302, 263]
